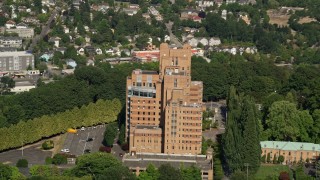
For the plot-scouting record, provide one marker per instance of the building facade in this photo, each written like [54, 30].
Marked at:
[16, 61]
[11, 41]
[24, 33]
[291, 151]
[164, 108]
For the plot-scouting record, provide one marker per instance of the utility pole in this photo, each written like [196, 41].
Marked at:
[22, 149]
[247, 165]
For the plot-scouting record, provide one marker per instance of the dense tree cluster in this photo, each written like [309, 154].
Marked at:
[46, 126]
[100, 166]
[110, 134]
[241, 142]
[89, 83]
[167, 172]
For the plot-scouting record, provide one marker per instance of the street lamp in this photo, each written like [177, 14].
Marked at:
[247, 165]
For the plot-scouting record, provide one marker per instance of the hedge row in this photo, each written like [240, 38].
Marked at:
[103, 111]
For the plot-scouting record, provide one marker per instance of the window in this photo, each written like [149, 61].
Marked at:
[175, 83]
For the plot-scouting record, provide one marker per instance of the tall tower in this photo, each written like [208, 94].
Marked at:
[164, 109]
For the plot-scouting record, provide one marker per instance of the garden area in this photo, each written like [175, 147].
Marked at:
[271, 171]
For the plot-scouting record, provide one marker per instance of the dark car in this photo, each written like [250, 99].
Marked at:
[89, 139]
[87, 151]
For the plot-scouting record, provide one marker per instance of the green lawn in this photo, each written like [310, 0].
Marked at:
[270, 170]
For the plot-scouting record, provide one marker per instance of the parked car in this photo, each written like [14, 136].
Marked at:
[65, 150]
[82, 129]
[90, 139]
[87, 151]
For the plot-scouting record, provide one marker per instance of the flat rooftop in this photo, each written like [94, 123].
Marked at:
[15, 53]
[149, 72]
[142, 160]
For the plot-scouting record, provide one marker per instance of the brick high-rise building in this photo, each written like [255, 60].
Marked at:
[164, 108]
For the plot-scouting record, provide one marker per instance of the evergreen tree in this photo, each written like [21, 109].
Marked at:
[251, 147]
[231, 138]
[241, 141]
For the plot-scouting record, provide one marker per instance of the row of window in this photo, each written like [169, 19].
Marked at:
[149, 141]
[184, 148]
[143, 84]
[145, 101]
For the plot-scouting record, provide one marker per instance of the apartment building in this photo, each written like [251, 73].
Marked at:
[24, 32]
[16, 61]
[291, 151]
[164, 108]
[11, 41]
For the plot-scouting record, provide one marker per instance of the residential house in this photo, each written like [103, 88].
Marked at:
[204, 4]
[10, 24]
[66, 29]
[76, 3]
[22, 8]
[126, 52]
[230, 1]
[71, 62]
[147, 18]
[224, 14]
[245, 18]
[61, 49]
[47, 56]
[188, 14]
[291, 151]
[99, 51]
[22, 25]
[167, 38]
[113, 52]
[130, 11]
[80, 51]
[10, 41]
[90, 50]
[218, 2]
[55, 40]
[90, 62]
[214, 41]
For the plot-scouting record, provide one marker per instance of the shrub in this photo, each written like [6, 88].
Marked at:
[22, 163]
[268, 158]
[59, 159]
[105, 149]
[47, 145]
[280, 159]
[125, 147]
[263, 159]
[48, 160]
[284, 176]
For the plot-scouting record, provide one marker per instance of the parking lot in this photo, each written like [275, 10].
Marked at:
[78, 143]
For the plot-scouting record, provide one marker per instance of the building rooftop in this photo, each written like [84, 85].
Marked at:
[15, 53]
[290, 146]
[149, 72]
[10, 38]
[142, 160]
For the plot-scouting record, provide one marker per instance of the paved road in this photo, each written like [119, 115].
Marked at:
[77, 143]
[32, 153]
[45, 30]
[173, 38]
[220, 114]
